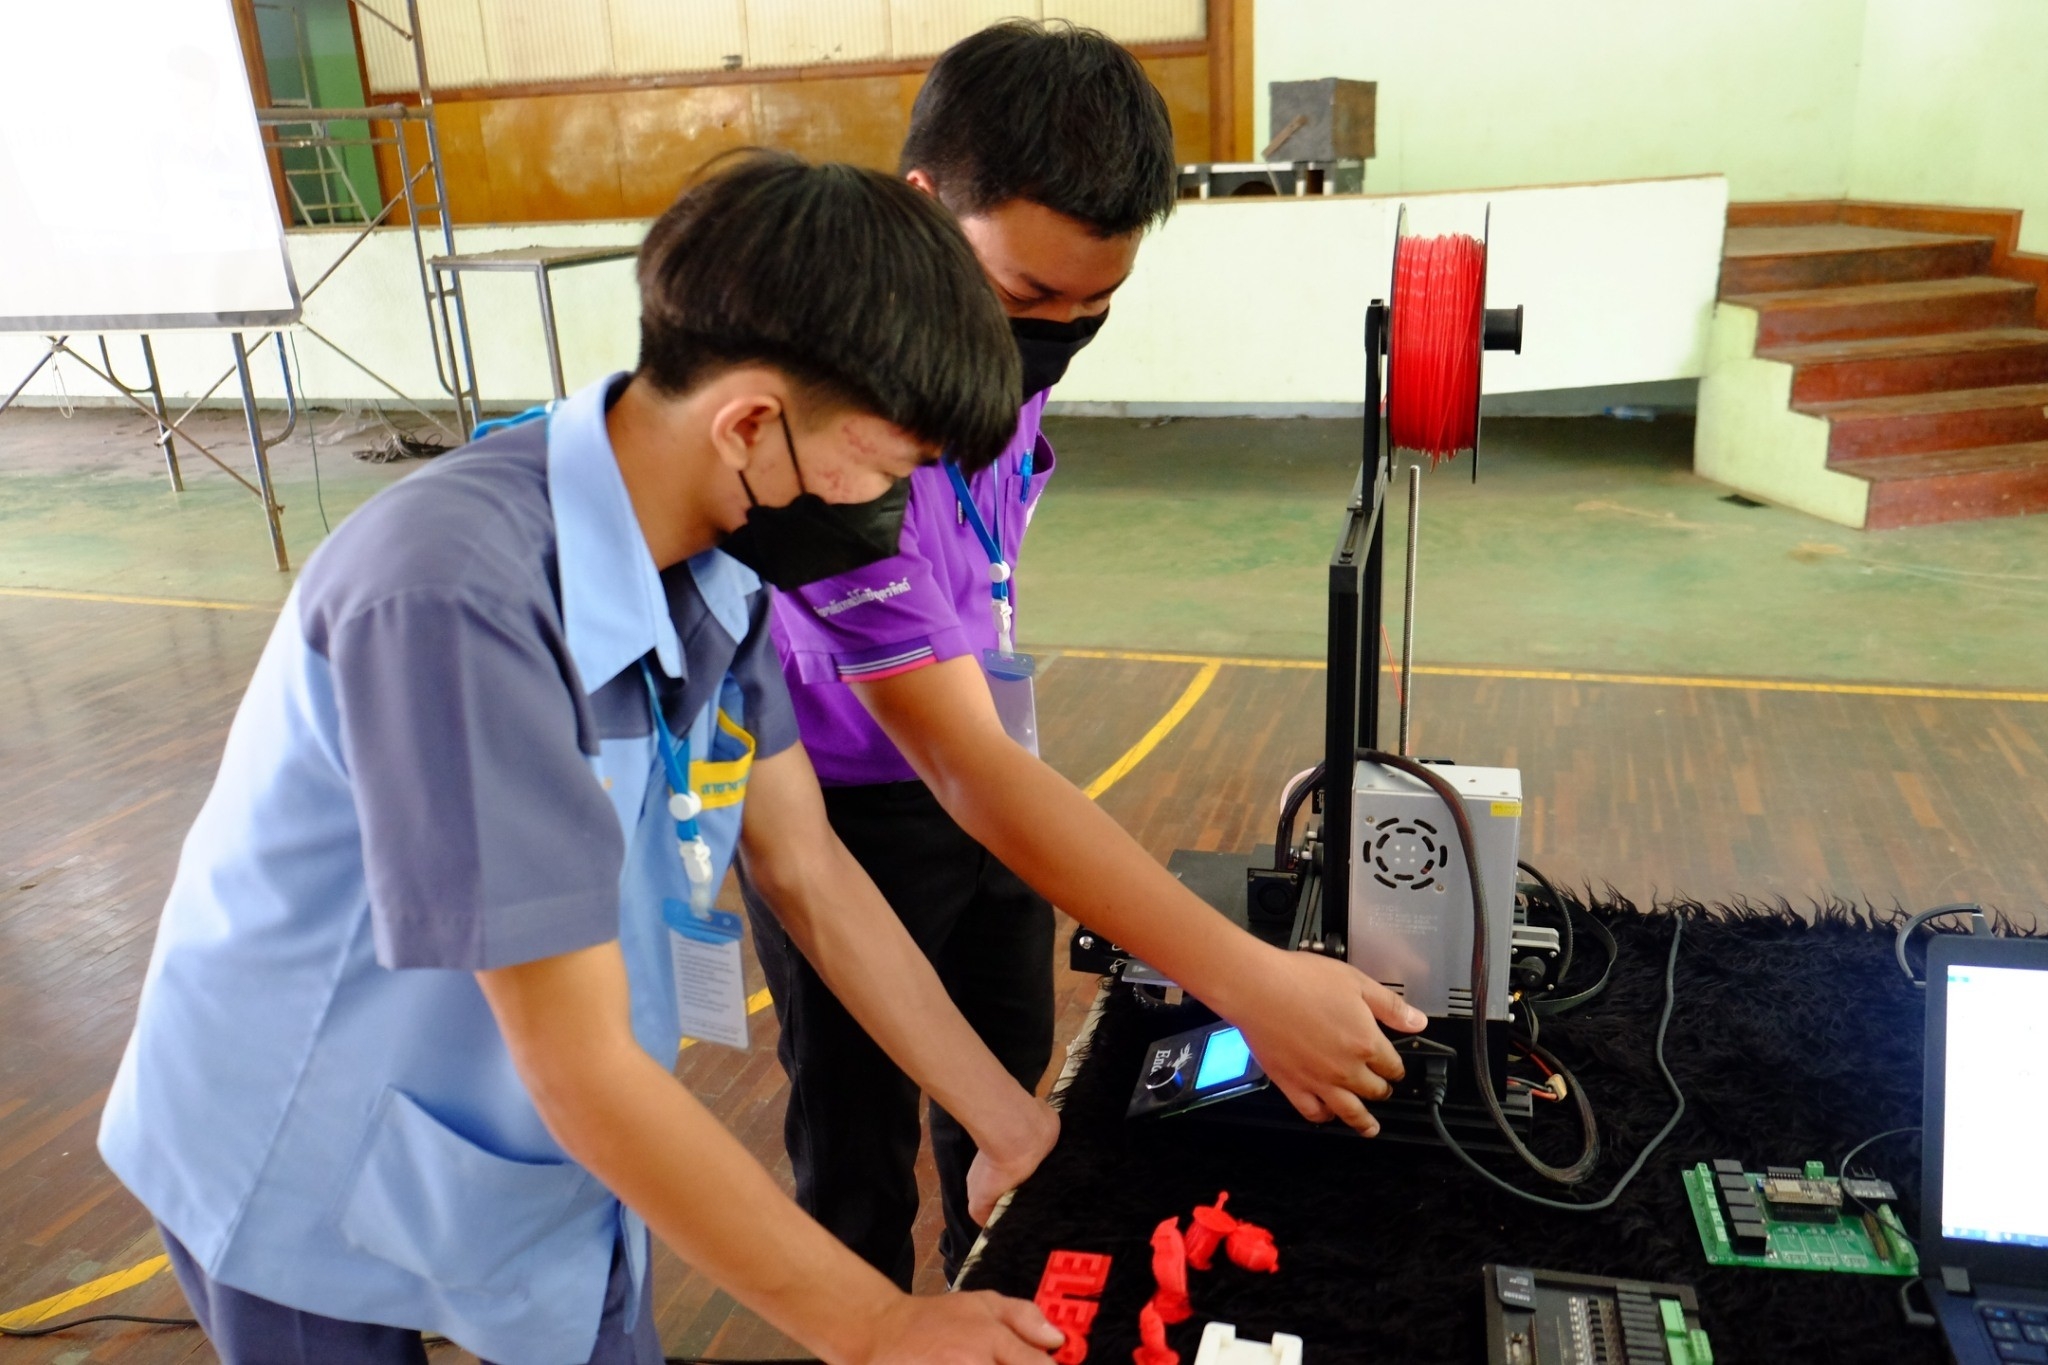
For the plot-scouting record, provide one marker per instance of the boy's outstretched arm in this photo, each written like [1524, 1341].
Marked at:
[1310, 1020]
[846, 930]
[633, 1125]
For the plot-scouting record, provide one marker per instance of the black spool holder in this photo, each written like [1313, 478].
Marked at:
[1357, 607]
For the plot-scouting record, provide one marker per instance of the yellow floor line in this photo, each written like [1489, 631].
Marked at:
[758, 1001]
[1740, 684]
[57, 1305]
[200, 603]
[1572, 675]
[1303, 665]
[1175, 714]
[1154, 657]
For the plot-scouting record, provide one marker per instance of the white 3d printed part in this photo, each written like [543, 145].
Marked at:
[1220, 1346]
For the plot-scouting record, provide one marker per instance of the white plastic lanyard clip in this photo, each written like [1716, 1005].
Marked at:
[684, 805]
[1000, 603]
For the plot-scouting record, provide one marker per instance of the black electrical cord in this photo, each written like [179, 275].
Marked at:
[1548, 1005]
[312, 441]
[1857, 1150]
[1918, 918]
[1558, 1004]
[1436, 1118]
[1283, 838]
[1913, 1316]
[1564, 964]
[49, 1329]
[1578, 1171]
[1842, 1167]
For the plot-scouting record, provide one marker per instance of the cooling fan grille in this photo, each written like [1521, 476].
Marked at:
[1405, 853]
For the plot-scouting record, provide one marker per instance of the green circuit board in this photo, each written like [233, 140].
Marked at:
[1848, 1242]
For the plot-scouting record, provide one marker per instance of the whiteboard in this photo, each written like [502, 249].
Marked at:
[134, 189]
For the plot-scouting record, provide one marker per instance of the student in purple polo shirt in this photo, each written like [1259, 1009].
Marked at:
[1053, 150]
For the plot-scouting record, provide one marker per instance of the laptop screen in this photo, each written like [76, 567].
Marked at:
[1996, 1106]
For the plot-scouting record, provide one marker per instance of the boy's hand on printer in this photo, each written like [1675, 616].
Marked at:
[1314, 1024]
[998, 1169]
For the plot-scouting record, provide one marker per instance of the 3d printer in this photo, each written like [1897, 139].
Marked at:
[1411, 873]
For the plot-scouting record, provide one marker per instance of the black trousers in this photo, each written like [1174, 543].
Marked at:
[852, 1127]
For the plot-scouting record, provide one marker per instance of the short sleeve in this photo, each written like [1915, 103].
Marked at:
[757, 668]
[487, 839]
[893, 615]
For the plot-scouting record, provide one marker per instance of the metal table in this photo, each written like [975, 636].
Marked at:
[541, 261]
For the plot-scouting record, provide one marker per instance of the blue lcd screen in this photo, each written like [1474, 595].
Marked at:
[1226, 1059]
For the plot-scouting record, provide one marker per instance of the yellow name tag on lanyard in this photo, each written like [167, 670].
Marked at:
[721, 782]
[704, 948]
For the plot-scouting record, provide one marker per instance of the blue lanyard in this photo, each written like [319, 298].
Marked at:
[999, 585]
[998, 567]
[684, 804]
[675, 757]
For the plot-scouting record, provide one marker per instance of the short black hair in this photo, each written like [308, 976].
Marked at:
[851, 282]
[1059, 115]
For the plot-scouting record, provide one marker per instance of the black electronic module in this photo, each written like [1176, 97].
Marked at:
[1547, 1317]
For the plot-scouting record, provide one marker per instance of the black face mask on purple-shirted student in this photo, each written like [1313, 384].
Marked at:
[808, 538]
[1046, 346]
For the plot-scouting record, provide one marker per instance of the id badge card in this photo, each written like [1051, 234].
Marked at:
[1010, 682]
[711, 992]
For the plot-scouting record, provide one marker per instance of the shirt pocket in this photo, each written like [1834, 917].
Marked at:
[432, 1202]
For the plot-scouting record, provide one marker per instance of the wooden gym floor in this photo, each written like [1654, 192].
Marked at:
[117, 712]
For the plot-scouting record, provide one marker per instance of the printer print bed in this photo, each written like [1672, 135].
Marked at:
[1795, 1036]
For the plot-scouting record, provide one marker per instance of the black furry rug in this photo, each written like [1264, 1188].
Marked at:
[1794, 1039]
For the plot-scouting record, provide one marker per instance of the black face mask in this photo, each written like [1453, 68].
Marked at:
[1046, 347]
[809, 538]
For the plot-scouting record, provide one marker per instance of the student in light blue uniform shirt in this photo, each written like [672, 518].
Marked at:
[402, 1061]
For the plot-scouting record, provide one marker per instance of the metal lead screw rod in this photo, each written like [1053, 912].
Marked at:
[1408, 607]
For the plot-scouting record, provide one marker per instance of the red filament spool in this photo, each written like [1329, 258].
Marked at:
[1435, 337]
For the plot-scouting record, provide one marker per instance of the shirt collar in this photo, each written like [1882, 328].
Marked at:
[613, 608]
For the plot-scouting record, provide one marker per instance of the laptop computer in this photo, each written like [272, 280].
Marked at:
[1984, 1184]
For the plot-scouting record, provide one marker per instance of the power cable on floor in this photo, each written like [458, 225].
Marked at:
[312, 441]
[49, 1329]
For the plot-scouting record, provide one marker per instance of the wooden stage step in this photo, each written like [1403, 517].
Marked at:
[1926, 366]
[1874, 367]
[1767, 259]
[1954, 485]
[1913, 423]
[1898, 308]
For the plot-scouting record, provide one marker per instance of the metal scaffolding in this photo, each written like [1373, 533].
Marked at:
[421, 192]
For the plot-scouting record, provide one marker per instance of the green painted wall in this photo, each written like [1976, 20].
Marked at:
[311, 42]
[1953, 107]
[1484, 93]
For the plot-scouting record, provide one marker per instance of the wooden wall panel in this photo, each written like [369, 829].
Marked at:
[1185, 83]
[465, 162]
[862, 120]
[666, 135]
[624, 153]
[553, 157]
